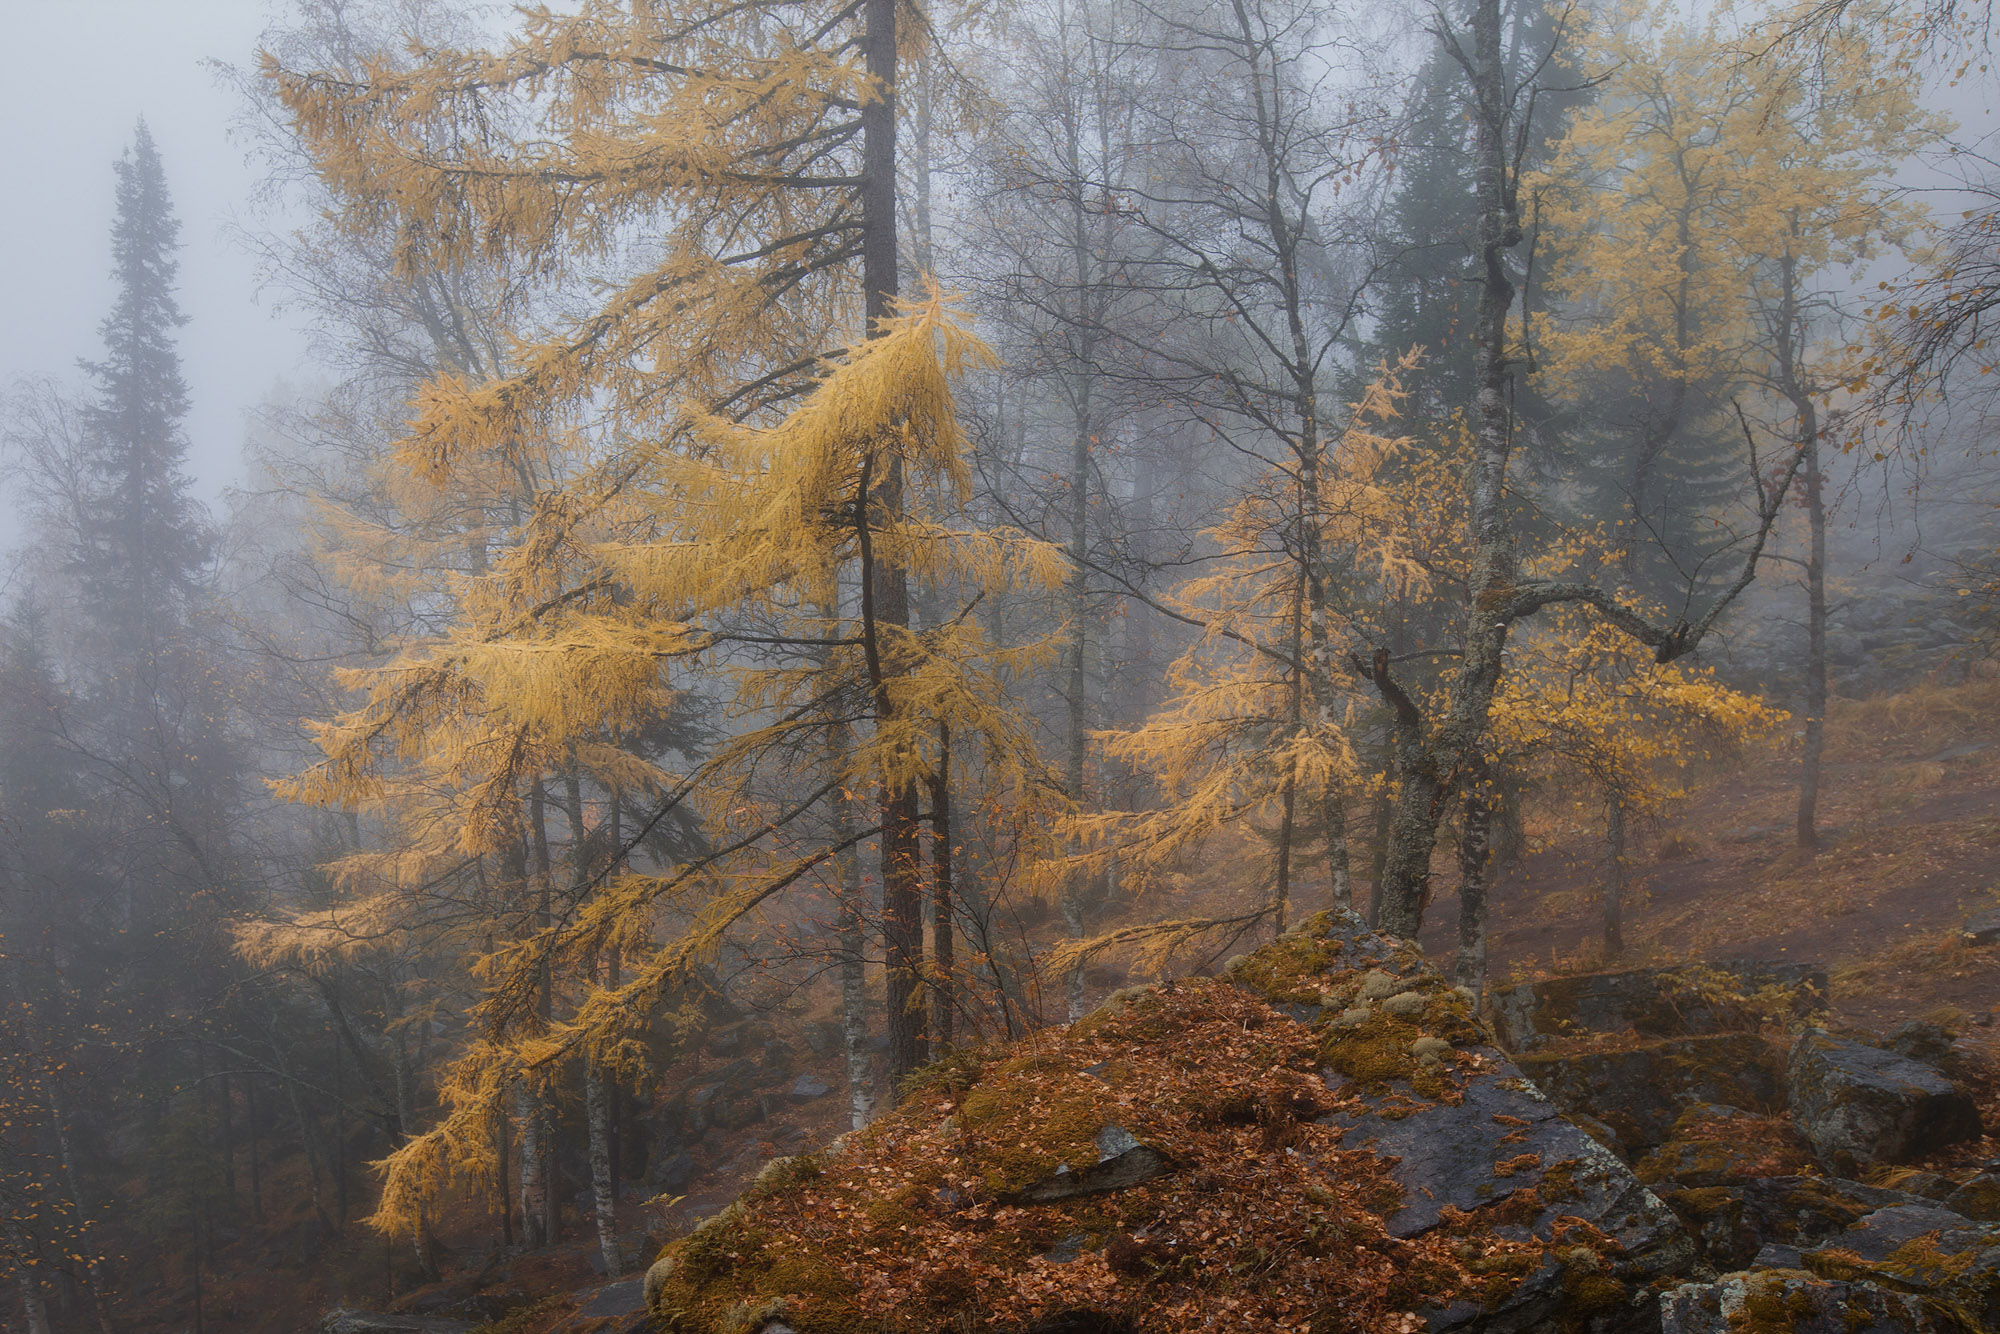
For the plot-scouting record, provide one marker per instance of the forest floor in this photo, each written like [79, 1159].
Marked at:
[1910, 847]
[1909, 823]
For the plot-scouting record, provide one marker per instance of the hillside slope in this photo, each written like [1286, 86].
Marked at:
[1910, 847]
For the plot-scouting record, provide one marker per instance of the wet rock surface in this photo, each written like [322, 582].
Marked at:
[1506, 1150]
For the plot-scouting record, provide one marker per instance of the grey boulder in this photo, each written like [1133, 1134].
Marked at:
[1783, 1299]
[1858, 1105]
[1950, 1261]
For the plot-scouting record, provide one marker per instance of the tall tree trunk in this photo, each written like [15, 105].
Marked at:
[339, 1136]
[597, 1093]
[1430, 767]
[944, 991]
[1475, 853]
[885, 585]
[256, 1151]
[1815, 747]
[545, 1196]
[1339, 872]
[1084, 249]
[424, 1244]
[100, 1288]
[852, 940]
[1790, 340]
[34, 1311]
[502, 1177]
[314, 1160]
[534, 1177]
[228, 1110]
[1614, 877]
[1281, 900]
[194, 1258]
[1378, 846]
[597, 1111]
[1076, 656]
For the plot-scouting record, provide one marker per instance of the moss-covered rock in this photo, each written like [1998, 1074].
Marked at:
[1734, 1223]
[1295, 1176]
[1736, 996]
[1978, 1197]
[1789, 1302]
[1858, 1105]
[1951, 1262]
[1719, 1146]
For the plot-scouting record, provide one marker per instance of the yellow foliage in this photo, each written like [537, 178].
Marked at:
[1252, 722]
[1695, 167]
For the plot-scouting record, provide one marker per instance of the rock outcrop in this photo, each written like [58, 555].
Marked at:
[1771, 1301]
[1641, 1089]
[1859, 1105]
[1325, 1136]
[1653, 1002]
[1950, 1262]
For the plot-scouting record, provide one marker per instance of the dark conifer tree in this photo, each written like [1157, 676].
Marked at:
[141, 541]
[1429, 288]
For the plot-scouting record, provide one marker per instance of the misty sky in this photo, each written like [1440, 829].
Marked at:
[81, 73]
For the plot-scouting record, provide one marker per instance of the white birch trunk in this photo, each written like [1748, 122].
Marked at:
[534, 1174]
[34, 1312]
[597, 1110]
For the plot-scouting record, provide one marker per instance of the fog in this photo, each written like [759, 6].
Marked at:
[740, 552]
[84, 72]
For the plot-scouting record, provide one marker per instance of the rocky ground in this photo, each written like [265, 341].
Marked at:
[1326, 1139]
[1803, 1127]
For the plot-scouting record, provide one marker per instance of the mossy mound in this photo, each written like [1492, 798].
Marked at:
[1252, 1216]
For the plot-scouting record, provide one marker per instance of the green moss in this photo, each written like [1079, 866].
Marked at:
[1558, 1181]
[1590, 1294]
[951, 1075]
[727, 1278]
[1291, 969]
[784, 1174]
[818, 1299]
[1378, 1049]
[1978, 1200]
[716, 1247]
[1031, 1116]
[1701, 1203]
[1124, 1004]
